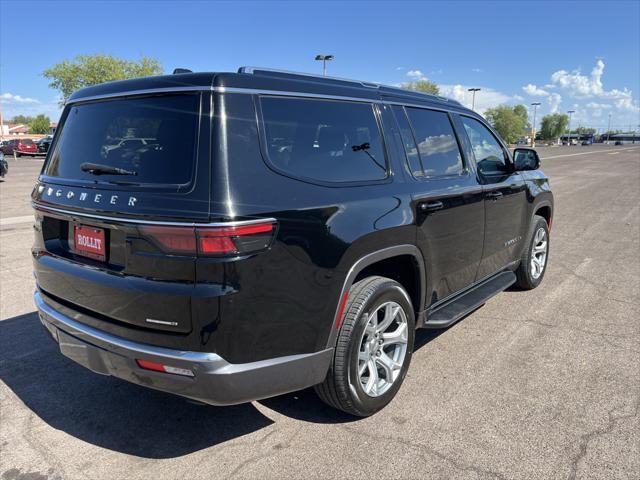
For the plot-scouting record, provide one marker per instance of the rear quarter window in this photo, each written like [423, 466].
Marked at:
[323, 140]
[154, 137]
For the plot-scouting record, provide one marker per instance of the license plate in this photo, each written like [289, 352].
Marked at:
[89, 241]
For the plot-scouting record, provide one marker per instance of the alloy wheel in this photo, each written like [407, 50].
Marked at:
[539, 253]
[383, 348]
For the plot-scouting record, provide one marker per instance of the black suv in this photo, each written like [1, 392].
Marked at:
[275, 231]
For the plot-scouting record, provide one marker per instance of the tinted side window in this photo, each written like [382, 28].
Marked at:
[330, 141]
[490, 156]
[410, 148]
[437, 144]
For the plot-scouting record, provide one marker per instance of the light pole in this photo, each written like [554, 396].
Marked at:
[473, 101]
[535, 108]
[570, 112]
[325, 59]
[609, 129]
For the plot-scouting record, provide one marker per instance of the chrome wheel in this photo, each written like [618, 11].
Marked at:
[383, 348]
[539, 253]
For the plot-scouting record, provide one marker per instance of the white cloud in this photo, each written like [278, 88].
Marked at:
[590, 97]
[535, 91]
[10, 98]
[554, 101]
[13, 105]
[415, 74]
[485, 98]
[598, 105]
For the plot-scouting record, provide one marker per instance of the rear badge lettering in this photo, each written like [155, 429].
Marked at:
[83, 196]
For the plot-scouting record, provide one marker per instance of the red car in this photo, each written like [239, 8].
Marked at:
[20, 146]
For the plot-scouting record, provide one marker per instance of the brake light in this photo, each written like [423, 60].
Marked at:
[213, 241]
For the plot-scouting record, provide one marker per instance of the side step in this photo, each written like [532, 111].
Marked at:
[452, 311]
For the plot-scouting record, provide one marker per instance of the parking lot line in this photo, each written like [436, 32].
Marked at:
[590, 153]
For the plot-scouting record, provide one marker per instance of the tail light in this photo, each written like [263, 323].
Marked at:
[213, 241]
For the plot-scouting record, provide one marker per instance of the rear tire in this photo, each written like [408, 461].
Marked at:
[373, 349]
[533, 263]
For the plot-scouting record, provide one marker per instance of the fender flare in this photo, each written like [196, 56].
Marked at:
[542, 203]
[370, 259]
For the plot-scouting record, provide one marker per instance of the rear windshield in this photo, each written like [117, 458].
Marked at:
[152, 140]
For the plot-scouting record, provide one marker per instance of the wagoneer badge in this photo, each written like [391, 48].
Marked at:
[92, 197]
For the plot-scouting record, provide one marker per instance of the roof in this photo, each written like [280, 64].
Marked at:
[253, 78]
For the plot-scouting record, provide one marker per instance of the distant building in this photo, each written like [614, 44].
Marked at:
[18, 129]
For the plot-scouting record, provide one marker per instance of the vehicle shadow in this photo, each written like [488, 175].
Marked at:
[126, 418]
[306, 406]
[108, 412]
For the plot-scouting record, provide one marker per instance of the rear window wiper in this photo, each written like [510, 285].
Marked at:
[99, 169]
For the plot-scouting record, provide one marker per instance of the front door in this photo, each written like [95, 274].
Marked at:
[447, 199]
[504, 199]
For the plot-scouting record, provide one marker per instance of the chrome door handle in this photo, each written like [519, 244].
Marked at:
[431, 206]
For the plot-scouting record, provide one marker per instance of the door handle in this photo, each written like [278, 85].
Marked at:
[431, 206]
[494, 195]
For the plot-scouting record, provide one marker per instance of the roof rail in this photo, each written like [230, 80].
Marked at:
[254, 70]
[408, 92]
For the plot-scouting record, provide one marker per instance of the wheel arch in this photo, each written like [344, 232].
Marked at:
[381, 258]
[544, 209]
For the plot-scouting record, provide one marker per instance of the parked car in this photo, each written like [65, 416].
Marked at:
[4, 165]
[285, 231]
[44, 144]
[22, 146]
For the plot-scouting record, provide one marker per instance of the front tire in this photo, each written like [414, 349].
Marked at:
[373, 350]
[533, 263]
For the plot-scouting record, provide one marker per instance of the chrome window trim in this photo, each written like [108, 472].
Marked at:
[246, 91]
[251, 91]
[283, 93]
[236, 223]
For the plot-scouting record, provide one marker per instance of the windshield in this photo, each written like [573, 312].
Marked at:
[153, 138]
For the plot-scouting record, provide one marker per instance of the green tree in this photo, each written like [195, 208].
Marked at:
[86, 70]
[424, 86]
[40, 124]
[510, 122]
[553, 125]
[21, 120]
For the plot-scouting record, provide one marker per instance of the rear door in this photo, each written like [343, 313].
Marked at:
[505, 199]
[447, 200]
[100, 195]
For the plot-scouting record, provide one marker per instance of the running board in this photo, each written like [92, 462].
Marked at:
[458, 307]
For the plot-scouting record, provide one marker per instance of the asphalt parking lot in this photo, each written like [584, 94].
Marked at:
[540, 384]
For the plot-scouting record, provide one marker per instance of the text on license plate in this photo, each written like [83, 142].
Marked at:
[89, 241]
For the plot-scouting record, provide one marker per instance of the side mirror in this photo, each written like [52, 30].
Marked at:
[525, 159]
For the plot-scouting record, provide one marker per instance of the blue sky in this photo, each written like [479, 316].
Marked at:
[575, 55]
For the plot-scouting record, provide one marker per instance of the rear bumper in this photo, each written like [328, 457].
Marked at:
[215, 381]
